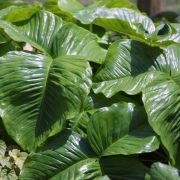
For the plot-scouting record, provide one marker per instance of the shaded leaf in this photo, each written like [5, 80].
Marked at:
[117, 167]
[129, 66]
[121, 129]
[39, 31]
[161, 171]
[162, 103]
[64, 156]
[37, 94]
[18, 13]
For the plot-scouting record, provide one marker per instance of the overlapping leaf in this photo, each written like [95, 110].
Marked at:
[162, 103]
[121, 129]
[45, 29]
[39, 31]
[160, 171]
[73, 40]
[38, 93]
[111, 15]
[66, 156]
[18, 13]
[117, 167]
[129, 67]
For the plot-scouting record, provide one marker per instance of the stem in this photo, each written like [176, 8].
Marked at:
[91, 27]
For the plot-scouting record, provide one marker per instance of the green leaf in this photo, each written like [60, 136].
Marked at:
[161, 171]
[93, 103]
[175, 36]
[74, 40]
[49, 34]
[129, 66]
[123, 17]
[162, 103]
[39, 31]
[7, 3]
[70, 6]
[6, 47]
[74, 7]
[121, 129]
[66, 156]
[37, 94]
[18, 13]
[117, 167]
[52, 6]
[112, 15]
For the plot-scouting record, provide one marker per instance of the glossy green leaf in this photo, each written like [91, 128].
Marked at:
[66, 156]
[52, 6]
[129, 66]
[79, 123]
[119, 16]
[117, 167]
[18, 13]
[121, 129]
[49, 34]
[161, 171]
[74, 40]
[93, 103]
[123, 17]
[37, 94]
[162, 103]
[39, 31]
[175, 36]
[74, 6]
[70, 6]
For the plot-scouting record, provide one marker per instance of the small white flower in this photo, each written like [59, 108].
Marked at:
[19, 157]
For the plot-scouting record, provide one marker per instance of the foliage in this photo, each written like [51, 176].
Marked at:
[89, 91]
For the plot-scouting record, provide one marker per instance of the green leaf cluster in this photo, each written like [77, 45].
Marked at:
[91, 91]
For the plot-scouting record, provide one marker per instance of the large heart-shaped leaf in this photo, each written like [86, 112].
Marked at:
[161, 171]
[66, 156]
[129, 66]
[93, 103]
[74, 6]
[38, 93]
[73, 40]
[130, 71]
[121, 129]
[119, 16]
[123, 17]
[162, 103]
[39, 31]
[45, 29]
